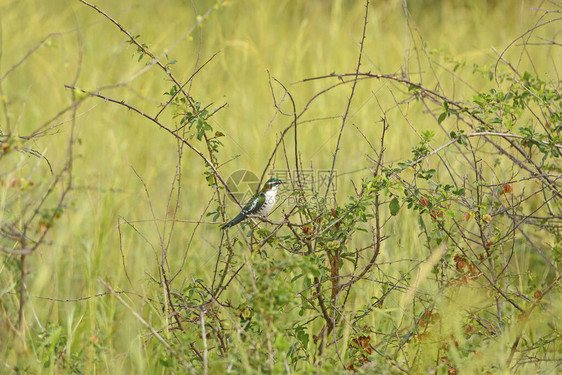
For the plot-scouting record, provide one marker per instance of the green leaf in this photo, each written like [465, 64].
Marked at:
[394, 206]
[302, 335]
[442, 117]
[459, 191]
[297, 277]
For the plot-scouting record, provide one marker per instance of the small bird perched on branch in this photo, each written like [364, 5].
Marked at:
[260, 204]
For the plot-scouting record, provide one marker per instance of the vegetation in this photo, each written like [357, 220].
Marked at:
[419, 231]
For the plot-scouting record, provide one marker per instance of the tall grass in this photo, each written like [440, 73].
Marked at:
[93, 289]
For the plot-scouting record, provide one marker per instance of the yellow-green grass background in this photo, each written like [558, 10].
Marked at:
[291, 40]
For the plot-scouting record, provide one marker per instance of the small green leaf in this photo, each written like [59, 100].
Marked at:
[442, 117]
[459, 191]
[394, 206]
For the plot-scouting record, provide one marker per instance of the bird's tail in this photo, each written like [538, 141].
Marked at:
[234, 221]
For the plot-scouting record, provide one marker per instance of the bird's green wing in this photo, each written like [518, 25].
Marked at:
[254, 205]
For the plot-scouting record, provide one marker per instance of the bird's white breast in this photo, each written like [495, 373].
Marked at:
[269, 201]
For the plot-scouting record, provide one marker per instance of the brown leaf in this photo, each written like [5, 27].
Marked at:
[461, 263]
[363, 342]
[507, 188]
[435, 214]
[42, 228]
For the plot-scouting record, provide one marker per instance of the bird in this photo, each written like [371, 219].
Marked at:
[260, 204]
